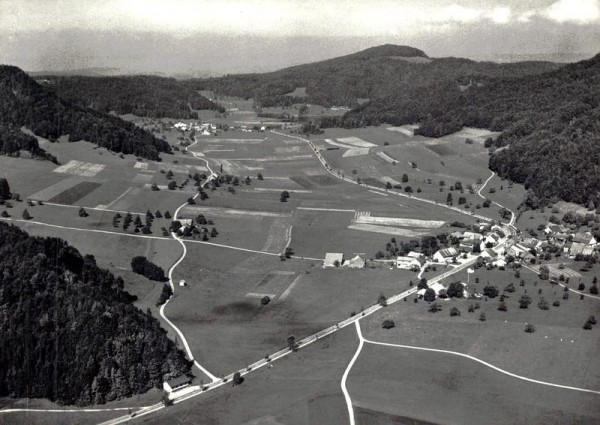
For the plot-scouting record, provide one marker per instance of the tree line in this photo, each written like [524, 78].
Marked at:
[141, 95]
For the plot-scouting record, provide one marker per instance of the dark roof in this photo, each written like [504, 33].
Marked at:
[181, 380]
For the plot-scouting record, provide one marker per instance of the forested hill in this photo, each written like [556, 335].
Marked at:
[550, 122]
[23, 102]
[146, 96]
[68, 330]
[370, 74]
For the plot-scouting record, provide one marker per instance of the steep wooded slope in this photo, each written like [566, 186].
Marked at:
[68, 330]
[23, 102]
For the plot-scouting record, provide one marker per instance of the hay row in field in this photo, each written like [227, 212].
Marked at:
[408, 129]
[396, 231]
[393, 221]
[79, 168]
[265, 189]
[216, 211]
[386, 157]
[291, 149]
[356, 142]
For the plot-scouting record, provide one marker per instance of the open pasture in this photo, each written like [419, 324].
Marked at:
[559, 351]
[251, 229]
[303, 388]
[226, 328]
[427, 387]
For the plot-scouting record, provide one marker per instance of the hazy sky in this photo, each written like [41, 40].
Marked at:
[179, 36]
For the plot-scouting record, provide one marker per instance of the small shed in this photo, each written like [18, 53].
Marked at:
[177, 383]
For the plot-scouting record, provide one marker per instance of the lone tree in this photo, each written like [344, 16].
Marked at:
[544, 273]
[82, 212]
[490, 291]
[388, 324]
[454, 312]
[169, 174]
[455, 290]
[404, 178]
[284, 196]
[382, 300]
[429, 295]
[4, 189]
[172, 185]
[524, 301]
[291, 342]
[529, 328]
[26, 215]
[237, 379]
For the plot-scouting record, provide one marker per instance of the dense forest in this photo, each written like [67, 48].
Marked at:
[550, 124]
[370, 74]
[23, 102]
[68, 330]
[146, 96]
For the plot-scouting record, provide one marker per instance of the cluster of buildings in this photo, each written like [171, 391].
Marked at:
[559, 238]
[206, 129]
[336, 259]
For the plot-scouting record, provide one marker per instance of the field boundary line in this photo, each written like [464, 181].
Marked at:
[54, 204]
[121, 196]
[324, 209]
[496, 368]
[114, 409]
[18, 220]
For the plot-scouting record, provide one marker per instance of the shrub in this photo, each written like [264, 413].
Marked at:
[510, 288]
[592, 320]
[454, 312]
[434, 308]
[543, 304]
[482, 317]
[164, 295]
[529, 328]
[556, 303]
[502, 306]
[265, 300]
[594, 289]
[388, 324]
[382, 300]
[587, 326]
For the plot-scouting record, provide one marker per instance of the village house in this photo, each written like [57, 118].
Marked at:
[445, 255]
[467, 245]
[409, 263]
[585, 238]
[356, 262]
